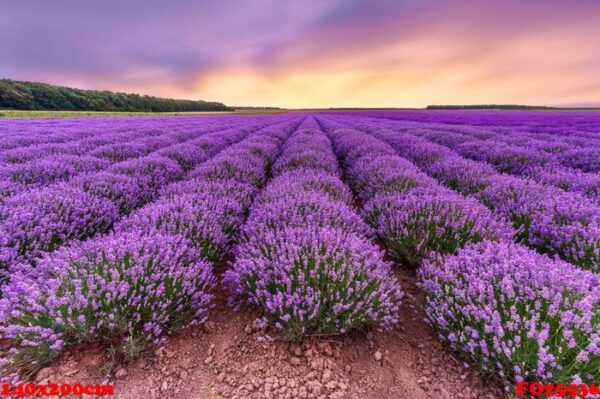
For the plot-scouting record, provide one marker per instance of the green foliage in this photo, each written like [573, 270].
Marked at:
[41, 96]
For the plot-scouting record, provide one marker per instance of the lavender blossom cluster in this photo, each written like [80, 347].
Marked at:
[43, 219]
[412, 214]
[131, 287]
[413, 224]
[148, 277]
[305, 258]
[516, 314]
[546, 218]
[44, 215]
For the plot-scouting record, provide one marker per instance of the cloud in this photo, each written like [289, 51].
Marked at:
[312, 53]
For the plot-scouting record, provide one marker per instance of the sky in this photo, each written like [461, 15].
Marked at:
[311, 53]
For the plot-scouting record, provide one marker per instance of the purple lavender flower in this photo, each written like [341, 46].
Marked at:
[315, 281]
[515, 312]
[130, 285]
[45, 171]
[426, 220]
[314, 210]
[151, 172]
[306, 180]
[207, 221]
[40, 220]
[122, 190]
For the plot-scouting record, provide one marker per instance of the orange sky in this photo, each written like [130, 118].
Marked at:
[332, 53]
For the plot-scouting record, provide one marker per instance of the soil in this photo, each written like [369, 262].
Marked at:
[227, 358]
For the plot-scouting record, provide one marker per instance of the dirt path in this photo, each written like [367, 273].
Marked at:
[227, 360]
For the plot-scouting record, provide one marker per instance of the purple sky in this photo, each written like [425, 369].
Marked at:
[311, 53]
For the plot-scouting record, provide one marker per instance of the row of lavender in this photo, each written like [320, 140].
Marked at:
[573, 151]
[150, 276]
[551, 220]
[562, 123]
[305, 256]
[553, 153]
[511, 312]
[32, 133]
[556, 163]
[577, 151]
[34, 166]
[412, 213]
[41, 220]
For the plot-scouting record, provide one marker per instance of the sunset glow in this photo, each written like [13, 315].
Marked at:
[331, 53]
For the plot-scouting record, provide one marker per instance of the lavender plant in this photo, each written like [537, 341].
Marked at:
[315, 281]
[305, 258]
[516, 314]
[548, 219]
[123, 289]
[151, 172]
[207, 221]
[304, 209]
[242, 193]
[122, 190]
[416, 223]
[41, 220]
[307, 180]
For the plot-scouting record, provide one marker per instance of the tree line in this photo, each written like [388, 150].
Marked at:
[490, 106]
[41, 96]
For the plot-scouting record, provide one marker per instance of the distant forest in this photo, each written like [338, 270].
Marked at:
[40, 96]
[489, 106]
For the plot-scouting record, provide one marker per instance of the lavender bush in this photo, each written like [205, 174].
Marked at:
[151, 172]
[372, 176]
[516, 314]
[241, 192]
[227, 166]
[207, 221]
[586, 159]
[120, 152]
[548, 219]
[122, 190]
[48, 170]
[41, 220]
[305, 209]
[307, 180]
[186, 155]
[315, 281]
[421, 221]
[122, 289]
[305, 150]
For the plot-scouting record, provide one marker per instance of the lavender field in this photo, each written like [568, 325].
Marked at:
[126, 232]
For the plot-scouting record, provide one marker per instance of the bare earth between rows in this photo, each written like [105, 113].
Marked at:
[228, 359]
